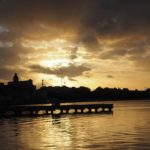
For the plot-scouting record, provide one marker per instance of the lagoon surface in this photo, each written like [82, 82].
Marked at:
[128, 128]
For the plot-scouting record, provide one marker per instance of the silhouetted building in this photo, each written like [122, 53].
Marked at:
[17, 92]
[28, 84]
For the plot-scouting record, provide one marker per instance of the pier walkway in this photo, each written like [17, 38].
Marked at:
[24, 110]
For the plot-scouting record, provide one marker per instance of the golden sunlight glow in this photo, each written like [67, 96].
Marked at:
[55, 63]
[40, 44]
[35, 44]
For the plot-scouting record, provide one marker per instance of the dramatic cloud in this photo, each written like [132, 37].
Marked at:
[70, 71]
[76, 39]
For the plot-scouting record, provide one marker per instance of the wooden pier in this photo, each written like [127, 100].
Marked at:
[32, 110]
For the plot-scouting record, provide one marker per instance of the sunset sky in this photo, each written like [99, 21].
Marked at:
[79, 42]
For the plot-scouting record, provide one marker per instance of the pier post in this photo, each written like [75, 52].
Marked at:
[61, 111]
[103, 109]
[76, 110]
[46, 112]
[110, 109]
[90, 110]
[96, 110]
[52, 112]
[67, 111]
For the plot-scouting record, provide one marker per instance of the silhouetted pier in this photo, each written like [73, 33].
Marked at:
[53, 109]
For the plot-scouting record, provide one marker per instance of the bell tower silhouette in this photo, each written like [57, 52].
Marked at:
[15, 78]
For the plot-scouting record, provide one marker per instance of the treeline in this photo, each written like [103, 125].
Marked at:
[66, 94]
[20, 96]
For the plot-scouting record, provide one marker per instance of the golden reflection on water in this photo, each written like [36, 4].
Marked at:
[126, 128]
[47, 132]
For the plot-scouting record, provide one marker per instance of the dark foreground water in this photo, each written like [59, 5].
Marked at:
[128, 128]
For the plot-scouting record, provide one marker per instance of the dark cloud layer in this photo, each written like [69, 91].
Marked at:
[94, 18]
[90, 21]
[70, 71]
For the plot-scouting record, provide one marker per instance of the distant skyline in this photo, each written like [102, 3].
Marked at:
[80, 42]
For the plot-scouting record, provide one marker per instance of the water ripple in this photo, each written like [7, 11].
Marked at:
[127, 129]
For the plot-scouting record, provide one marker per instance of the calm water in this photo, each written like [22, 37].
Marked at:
[128, 128]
